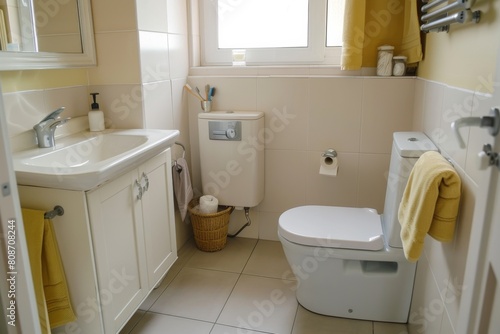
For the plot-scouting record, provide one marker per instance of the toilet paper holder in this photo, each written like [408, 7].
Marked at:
[330, 153]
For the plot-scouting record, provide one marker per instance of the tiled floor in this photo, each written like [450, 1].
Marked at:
[245, 288]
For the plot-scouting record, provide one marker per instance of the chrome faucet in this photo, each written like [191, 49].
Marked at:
[46, 128]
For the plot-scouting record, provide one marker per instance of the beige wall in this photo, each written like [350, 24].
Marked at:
[465, 57]
[15, 81]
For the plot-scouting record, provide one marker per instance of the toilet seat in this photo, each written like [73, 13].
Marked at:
[331, 226]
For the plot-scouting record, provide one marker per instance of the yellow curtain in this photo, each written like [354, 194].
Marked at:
[411, 45]
[369, 24]
[353, 35]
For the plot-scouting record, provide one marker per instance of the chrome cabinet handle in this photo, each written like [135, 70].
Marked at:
[492, 122]
[139, 189]
[146, 185]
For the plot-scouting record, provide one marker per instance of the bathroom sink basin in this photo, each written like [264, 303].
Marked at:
[84, 160]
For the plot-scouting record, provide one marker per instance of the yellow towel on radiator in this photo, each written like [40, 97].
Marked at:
[430, 203]
[51, 289]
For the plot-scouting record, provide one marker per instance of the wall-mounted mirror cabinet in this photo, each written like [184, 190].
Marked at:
[40, 34]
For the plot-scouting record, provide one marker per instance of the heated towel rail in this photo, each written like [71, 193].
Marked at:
[439, 18]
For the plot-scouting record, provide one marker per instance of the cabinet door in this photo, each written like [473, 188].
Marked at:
[118, 243]
[158, 217]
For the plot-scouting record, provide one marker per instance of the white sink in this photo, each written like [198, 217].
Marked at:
[84, 160]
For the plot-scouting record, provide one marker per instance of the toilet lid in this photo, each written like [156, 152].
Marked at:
[330, 226]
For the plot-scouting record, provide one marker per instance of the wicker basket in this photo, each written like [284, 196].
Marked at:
[210, 229]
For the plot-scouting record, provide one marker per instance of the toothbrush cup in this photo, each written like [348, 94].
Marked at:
[206, 106]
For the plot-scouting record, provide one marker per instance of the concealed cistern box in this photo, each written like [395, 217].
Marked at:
[232, 156]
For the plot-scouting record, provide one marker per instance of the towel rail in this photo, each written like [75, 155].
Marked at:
[431, 5]
[442, 17]
[178, 168]
[58, 211]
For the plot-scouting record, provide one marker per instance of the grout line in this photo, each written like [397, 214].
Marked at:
[239, 276]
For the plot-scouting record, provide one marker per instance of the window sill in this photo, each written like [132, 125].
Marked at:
[285, 70]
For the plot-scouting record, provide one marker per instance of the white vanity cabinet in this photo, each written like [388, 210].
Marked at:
[117, 241]
[134, 244]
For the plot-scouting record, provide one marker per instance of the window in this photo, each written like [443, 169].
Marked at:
[271, 31]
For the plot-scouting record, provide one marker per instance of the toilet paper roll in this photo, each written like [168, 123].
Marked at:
[208, 204]
[328, 166]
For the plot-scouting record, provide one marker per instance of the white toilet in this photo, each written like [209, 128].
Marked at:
[349, 262]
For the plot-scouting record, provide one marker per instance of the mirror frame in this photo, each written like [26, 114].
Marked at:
[11, 60]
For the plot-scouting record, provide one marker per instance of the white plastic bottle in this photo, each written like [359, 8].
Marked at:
[96, 116]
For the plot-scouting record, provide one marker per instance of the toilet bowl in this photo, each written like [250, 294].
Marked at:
[349, 262]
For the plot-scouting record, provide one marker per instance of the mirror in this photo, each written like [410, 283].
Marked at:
[40, 34]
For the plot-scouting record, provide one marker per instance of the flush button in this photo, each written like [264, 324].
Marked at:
[230, 133]
[412, 139]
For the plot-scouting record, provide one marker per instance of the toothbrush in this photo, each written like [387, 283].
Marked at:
[189, 89]
[211, 93]
[198, 91]
[207, 91]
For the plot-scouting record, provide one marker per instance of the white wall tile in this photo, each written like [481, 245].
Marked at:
[76, 100]
[457, 103]
[340, 190]
[432, 106]
[285, 184]
[387, 108]
[335, 114]
[154, 56]
[418, 105]
[152, 15]
[177, 17]
[121, 104]
[268, 225]
[284, 101]
[117, 59]
[237, 220]
[106, 18]
[427, 309]
[180, 112]
[373, 173]
[157, 105]
[178, 56]
[23, 110]
[231, 93]
[460, 247]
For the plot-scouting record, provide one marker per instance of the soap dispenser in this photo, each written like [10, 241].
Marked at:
[96, 116]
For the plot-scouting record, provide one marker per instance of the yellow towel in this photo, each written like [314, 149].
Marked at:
[430, 203]
[51, 289]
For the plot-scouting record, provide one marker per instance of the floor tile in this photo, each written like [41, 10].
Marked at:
[196, 294]
[221, 329]
[307, 322]
[389, 328]
[268, 260]
[183, 256]
[231, 258]
[132, 322]
[153, 323]
[261, 304]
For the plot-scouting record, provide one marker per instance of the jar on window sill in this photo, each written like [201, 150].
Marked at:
[399, 68]
[384, 60]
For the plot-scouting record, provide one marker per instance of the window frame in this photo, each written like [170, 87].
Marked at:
[315, 54]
